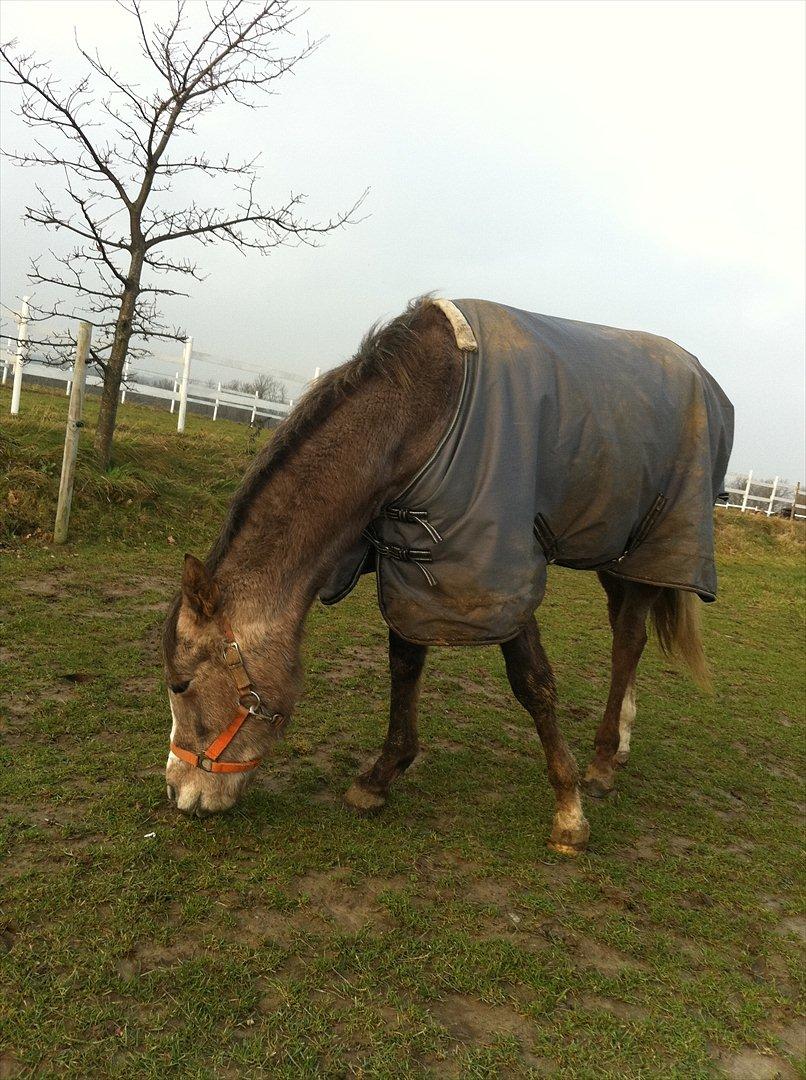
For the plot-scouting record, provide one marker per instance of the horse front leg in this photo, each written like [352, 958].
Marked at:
[532, 682]
[628, 619]
[406, 662]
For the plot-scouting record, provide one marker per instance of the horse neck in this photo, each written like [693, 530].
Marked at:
[315, 506]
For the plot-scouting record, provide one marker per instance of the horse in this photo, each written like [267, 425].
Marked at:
[316, 497]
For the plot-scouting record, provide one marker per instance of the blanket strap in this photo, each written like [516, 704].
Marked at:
[419, 517]
[418, 556]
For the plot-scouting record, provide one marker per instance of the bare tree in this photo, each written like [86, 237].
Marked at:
[268, 387]
[116, 144]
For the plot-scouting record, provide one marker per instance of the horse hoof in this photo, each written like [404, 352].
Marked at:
[571, 850]
[621, 757]
[596, 787]
[363, 801]
[570, 840]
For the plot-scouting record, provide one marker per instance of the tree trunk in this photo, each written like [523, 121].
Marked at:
[113, 376]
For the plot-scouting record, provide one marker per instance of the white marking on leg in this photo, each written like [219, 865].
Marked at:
[569, 817]
[625, 722]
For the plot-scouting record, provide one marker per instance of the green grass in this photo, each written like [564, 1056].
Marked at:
[442, 938]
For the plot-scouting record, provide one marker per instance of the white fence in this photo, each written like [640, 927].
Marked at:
[766, 497]
[150, 384]
[214, 400]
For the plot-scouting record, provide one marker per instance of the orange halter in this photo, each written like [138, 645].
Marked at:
[208, 759]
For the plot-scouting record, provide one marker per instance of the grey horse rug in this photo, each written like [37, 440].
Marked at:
[576, 444]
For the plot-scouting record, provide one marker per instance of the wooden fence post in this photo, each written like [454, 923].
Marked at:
[74, 425]
[215, 407]
[747, 491]
[183, 389]
[254, 411]
[174, 392]
[772, 496]
[795, 503]
[22, 352]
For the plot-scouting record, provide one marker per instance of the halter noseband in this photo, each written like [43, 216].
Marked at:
[208, 759]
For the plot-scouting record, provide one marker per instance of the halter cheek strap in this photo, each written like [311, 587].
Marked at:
[208, 759]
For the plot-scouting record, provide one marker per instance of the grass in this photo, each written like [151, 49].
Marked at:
[291, 939]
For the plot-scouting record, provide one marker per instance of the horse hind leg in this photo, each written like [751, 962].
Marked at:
[625, 723]
[629, 604]
[406, 662]
[615, 590]
[532, 682]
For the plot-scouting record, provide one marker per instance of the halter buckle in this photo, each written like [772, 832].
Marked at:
[205, 764]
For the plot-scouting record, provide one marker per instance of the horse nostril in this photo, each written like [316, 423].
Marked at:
[171, 793]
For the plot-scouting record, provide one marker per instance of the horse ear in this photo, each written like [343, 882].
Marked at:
[199, 589]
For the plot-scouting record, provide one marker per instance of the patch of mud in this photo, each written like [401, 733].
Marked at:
[486, 890]
[557, 934]
[643, 850]
[356, 660]
[490, 692]
[751, 1064]
[448, 745]
[58, 692]
[331, 899]
[149, 957]
[558, 873]
[792, 1038]
[470, 1020]
[41, 587]
[259, 925]
[604, 959]
[793, 926]
[145, 684]
[9, 1067]
[623, 1010]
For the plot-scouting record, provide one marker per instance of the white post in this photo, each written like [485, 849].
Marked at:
[70, 381]
[772, 496]
[123, 380]
[254, 409]
[74, 425]
[316, 375]
[215, 407]
[747, 491]
[176, 387]
[22, 351]
[183, 390]
[5, 368]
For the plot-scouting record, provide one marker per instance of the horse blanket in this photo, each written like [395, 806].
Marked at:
[576, 444]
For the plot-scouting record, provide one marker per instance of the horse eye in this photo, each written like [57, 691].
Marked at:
[180, 688]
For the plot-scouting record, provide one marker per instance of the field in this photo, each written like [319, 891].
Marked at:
[441, 938]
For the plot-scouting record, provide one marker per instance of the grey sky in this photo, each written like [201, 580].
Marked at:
[637, 164]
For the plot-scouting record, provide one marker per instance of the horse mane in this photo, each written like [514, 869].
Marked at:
[388, 350]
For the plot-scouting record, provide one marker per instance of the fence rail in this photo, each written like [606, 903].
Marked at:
[251, 405]
[774, 503]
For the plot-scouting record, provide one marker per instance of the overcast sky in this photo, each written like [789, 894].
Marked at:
[636, 164]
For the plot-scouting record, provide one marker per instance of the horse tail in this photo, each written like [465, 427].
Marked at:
[676, 618]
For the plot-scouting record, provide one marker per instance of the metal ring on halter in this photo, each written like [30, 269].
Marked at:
[253, 694]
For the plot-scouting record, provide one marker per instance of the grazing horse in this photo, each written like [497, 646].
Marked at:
[462, 449]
